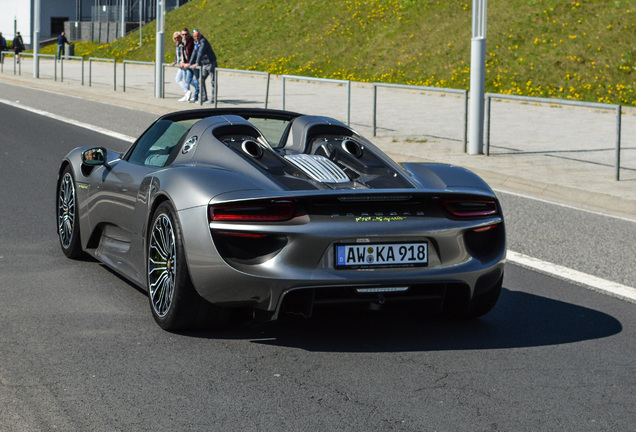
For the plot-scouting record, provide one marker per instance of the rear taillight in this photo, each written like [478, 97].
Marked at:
[470, 209]
[277, 210]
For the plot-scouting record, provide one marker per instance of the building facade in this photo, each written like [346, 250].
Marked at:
[98, 20]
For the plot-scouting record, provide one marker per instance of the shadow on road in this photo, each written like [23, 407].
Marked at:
[519, 320]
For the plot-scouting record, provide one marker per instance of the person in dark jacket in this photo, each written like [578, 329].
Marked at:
[61, 41]
[18, 45]
[188, 47]
[203, 55]
[3, 46]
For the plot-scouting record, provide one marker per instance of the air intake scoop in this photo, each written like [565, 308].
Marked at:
[318, 168]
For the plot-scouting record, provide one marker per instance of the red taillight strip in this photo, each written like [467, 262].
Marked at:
[454, 207]
[486, 228]
[253, 211]
[240, 234]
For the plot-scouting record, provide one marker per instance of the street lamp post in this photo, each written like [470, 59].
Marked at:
[36, 39]
[161, 20]
[477, 78]
[123, 18]
[141, 29]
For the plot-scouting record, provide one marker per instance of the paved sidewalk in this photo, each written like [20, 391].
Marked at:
[562, 154]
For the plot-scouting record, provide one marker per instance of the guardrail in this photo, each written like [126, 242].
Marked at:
[323, 80]
[464, 93]
[16, 59]
[62, 66]
[52, 56]
[17, 69]
[125, 62]
[618, 108]
[90, 70]
[216, 82]
[2, 55]
[163, 84]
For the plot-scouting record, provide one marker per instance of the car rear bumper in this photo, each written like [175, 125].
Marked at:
[306, 261]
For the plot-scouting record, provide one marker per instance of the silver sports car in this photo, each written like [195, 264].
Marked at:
[276, 213]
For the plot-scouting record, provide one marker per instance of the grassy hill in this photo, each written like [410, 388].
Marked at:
[580, 50]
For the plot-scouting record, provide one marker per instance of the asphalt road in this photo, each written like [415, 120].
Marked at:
[79, 349]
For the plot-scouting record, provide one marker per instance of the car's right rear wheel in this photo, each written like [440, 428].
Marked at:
[459, 306]
[174, 302]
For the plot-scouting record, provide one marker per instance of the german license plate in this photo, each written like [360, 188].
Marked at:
[382, 255]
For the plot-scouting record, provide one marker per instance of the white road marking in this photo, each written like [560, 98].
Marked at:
[94, 128]
[543, 200]
[595, 283]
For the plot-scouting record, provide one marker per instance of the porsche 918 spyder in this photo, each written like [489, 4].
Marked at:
[277, 212]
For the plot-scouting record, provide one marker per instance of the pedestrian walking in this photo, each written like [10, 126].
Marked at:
[18, 45]
[61, 41]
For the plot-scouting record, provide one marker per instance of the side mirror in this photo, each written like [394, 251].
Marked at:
[95, 156]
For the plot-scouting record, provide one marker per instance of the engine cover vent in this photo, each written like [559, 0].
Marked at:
[318, 168]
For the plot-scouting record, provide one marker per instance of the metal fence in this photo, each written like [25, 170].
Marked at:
[90, 70]
[557, 102]
[199, 70]
[243, 72]
[322, 80]
[462, 93]
[125, 62]
[458, 110]
[67, 58]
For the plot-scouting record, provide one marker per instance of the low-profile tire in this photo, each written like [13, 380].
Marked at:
[174, 303]
[485, 302]
[68, 229]
[478, 306]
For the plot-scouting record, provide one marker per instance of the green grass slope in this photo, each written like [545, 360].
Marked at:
[579, 50]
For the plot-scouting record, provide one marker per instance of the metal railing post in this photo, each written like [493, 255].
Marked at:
[200, 85]
[213, 87]
[267, 91]
[90, 71]
[163, 80]
[123, 77]
[465, 121]
[114, 74]
[487, 126]
[619, 111]
[375, 108]
[283, 92]
[349, 103]
[216, 86]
